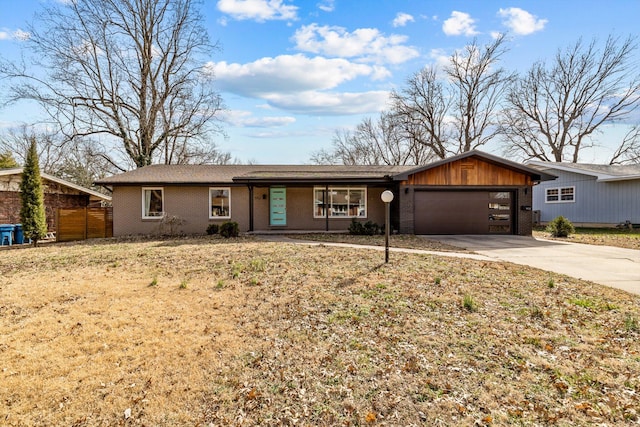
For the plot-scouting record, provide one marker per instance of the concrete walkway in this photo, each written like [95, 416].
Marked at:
[606, 265]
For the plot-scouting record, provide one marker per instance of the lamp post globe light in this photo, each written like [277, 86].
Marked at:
[387, 198]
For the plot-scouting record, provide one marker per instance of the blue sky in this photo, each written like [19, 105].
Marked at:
[291, 73]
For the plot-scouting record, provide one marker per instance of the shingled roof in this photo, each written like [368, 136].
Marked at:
[293, 174]
[228, 174]
[93, 195]
[601, 172]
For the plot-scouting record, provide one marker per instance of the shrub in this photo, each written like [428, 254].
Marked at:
[355, 227]
[229, 229]
[369, 228]
[560, 227]
[170, 225]
[213, 229]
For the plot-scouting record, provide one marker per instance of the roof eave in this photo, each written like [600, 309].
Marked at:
[611, 178]
[16, 171]
[317, 181]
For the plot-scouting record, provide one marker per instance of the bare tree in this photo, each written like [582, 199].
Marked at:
[553, 111]
[629, 150]
[373, 143]
[422, 108]
[128, 69]
[457, 114]
[49, 147]
[81, 161]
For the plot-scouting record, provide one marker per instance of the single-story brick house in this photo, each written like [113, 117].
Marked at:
[58, 193]
[589, 195]
[472, 193]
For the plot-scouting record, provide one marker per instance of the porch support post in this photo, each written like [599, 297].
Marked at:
[250, 207]
[326, 208]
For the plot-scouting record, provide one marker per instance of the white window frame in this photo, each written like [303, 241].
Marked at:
[329, 202]
[228, 190]
[559, 195]
[144, 203]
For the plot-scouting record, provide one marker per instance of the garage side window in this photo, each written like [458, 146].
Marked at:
[560, 195]
[152, 203]
[219, 203]
[341, 202]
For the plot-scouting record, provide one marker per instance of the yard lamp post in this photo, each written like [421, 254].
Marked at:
[387, 198]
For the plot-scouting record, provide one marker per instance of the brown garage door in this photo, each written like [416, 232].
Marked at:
[463, 212]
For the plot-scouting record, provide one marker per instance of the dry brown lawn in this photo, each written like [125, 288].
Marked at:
[210, 332]
[406, 241]
[629, 239]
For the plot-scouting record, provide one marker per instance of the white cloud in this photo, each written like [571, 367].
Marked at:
[440, 58]
[459, 23]
[299, 84]
[18, 34]
[241, 118]
[364, 44]
[285, 74]
[21, 35]
[520, 21]
[258, 10]
[327, 5]
[331, 103]
[401, 19]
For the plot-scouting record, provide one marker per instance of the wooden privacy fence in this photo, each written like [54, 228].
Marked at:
[84, 223]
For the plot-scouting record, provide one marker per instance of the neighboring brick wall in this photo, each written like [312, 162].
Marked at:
[55, 197]
[9, 207]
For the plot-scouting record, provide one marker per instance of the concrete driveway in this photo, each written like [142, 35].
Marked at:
[615, 267]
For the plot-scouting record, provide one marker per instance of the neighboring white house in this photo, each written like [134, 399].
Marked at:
[589, 195]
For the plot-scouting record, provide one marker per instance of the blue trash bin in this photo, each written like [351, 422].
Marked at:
[18, 234]
[6, 234]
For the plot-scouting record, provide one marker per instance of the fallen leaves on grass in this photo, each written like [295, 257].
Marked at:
[299, 335]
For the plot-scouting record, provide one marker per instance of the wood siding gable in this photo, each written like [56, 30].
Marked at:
[470, 171]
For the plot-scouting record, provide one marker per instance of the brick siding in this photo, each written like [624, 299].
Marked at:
[10, 205]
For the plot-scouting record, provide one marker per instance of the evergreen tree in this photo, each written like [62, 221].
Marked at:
[32, 214]
[7, 161]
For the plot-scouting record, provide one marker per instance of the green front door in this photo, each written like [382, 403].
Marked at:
[278, 205]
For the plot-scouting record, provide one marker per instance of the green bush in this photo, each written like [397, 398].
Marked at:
[560, 227]
[369, 228]
[355, 227]
[213, 229]
[229, 229]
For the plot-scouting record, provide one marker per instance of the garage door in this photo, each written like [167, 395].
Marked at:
[463, 212]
